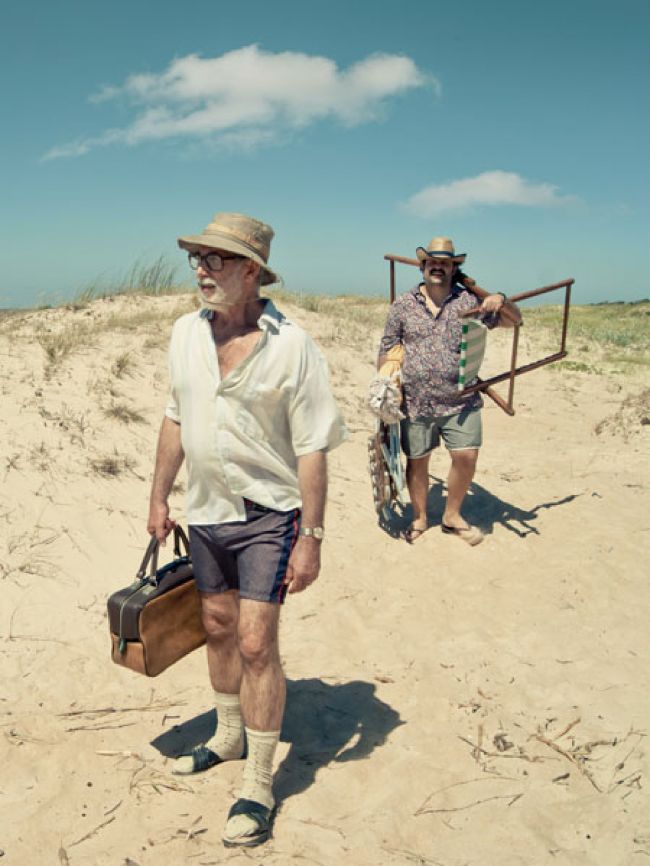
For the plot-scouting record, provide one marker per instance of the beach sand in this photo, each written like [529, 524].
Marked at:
[446, 706]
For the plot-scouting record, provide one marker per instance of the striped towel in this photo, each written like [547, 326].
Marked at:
[472, 350]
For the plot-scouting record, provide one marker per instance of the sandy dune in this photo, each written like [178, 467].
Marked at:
[447, 706]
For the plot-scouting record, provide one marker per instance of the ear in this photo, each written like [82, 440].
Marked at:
[252, 270]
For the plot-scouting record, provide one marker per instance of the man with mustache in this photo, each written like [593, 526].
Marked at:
[426, 323]
[252, 414]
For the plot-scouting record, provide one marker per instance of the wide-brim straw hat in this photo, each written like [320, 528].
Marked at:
[440, 248]
[237, 233]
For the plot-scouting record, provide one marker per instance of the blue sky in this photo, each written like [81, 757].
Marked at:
[353, 128]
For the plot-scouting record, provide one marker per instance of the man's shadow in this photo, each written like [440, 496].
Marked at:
[481, 508]
[323, 723]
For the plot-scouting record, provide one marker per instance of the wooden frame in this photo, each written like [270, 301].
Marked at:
[513, 314]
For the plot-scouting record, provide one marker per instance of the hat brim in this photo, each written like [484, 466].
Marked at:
[217, 241]
[423, 254]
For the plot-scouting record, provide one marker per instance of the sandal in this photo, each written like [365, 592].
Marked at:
[472, 535]
[201, 757]
[261, 817]
[414, 533]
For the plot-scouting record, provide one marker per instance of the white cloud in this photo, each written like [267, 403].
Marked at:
[489, 188]
[251, 94]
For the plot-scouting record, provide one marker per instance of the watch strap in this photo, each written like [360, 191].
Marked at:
[312, 532]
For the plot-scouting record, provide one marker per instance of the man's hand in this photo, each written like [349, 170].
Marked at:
[492, 304]
[304, 564]
[159, 523]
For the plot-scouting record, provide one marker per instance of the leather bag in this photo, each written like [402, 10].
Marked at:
[157, 619]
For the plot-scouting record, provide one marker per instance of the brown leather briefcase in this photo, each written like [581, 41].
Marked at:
[157, 619]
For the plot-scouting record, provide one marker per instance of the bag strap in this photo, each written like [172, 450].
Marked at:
[180, 537]
[150, 554]
[150, 558]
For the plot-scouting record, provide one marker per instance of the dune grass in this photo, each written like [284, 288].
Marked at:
[58, 345]
[616, 334]
[157, 277]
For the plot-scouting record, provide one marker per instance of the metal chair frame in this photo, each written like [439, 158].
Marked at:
[513, 371]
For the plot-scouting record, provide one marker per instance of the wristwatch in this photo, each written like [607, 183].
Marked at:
[312, 532]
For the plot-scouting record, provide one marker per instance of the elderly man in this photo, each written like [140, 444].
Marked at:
[426, 323]
[252, 414]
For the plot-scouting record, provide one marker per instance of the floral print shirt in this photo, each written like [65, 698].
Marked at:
[431, 351]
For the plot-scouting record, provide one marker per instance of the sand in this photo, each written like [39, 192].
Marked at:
[446, 705]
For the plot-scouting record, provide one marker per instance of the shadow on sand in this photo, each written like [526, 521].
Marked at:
[481, 508]
[324, 723]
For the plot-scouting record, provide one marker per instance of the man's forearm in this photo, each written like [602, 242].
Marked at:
[304, 563]
[312, 481]
[169, 457]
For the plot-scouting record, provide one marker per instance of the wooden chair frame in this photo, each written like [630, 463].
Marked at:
[513, 371]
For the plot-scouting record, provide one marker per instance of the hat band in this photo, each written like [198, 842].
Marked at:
[240, 240]
[440, 253]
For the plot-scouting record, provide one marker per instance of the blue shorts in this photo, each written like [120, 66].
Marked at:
[250, 556]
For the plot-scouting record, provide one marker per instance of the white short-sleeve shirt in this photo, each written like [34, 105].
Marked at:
[242, 434]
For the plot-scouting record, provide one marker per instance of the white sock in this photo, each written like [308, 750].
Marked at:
[258, 770]
[258, 776]
[228, 740]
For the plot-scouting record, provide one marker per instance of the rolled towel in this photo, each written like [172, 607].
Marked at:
[385, 398]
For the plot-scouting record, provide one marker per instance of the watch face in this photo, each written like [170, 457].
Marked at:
[317, 532]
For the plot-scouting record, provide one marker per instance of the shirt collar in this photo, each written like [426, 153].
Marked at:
[456, 289]
[270, 318]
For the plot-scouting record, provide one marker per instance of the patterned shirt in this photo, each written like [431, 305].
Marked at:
[431, 351]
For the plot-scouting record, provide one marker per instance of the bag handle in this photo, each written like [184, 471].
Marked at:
[151, 554]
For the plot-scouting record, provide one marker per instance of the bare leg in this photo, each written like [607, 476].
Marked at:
[263, 689]
[220, 612]
[220, 619]
[263, 694]
[417, 480]
[461, 473]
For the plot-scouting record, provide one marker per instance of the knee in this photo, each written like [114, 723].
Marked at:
[256, 649]
[219, 623]
[465, 459]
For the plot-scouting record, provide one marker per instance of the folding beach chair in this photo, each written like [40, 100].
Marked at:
[472, 352]
[386, 471]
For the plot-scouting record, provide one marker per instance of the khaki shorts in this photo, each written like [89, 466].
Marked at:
[459, 431]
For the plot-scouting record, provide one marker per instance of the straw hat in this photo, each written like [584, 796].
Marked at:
[239, 234]
[440, 248]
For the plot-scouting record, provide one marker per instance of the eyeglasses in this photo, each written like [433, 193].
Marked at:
[212, 261]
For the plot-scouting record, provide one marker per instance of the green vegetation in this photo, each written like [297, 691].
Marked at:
[369, 311]
[599, 335]
[612, 333]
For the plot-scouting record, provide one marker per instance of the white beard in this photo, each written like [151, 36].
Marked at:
[217, 302]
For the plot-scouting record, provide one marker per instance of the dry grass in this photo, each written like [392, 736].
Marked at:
[123, 413]
[59, 345]
[123, 365]
[157, 277]
[631, 417]
[114, 465]
[74, 423]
